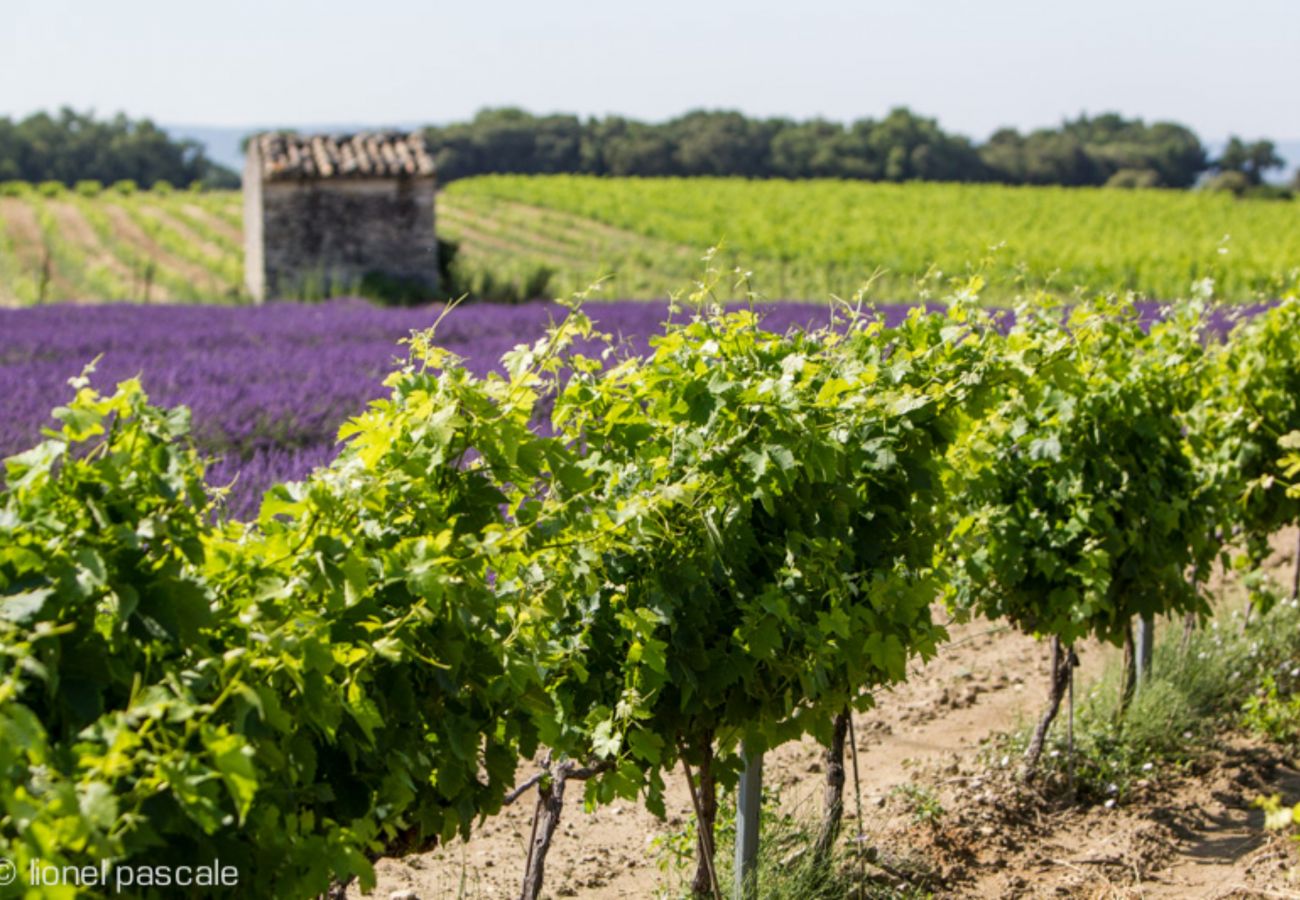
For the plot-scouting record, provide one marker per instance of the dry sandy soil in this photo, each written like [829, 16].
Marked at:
[1190, 835]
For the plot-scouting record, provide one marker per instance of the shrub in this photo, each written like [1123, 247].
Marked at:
[1231, 182]
[292, 696]
[1134, 178]
[1077, 504]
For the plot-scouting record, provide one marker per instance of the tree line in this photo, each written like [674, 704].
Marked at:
[902, 146]
[70, 146]
[1107, 149]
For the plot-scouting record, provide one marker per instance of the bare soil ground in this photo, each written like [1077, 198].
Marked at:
[79, 232]
[1192, 834]
[232, 235]
[135, 236]
[191, 237]
[29, 246]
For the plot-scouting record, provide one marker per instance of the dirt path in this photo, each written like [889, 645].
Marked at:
[1222, 839]
[986, 680]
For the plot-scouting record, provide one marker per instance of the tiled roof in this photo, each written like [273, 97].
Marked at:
[389, 154]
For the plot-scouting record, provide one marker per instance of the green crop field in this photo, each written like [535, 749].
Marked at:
[113, 245]
[807, 239]
[552, 235]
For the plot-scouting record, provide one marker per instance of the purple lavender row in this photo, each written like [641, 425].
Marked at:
[269, 386]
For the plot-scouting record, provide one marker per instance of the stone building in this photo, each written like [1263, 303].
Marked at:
[323, 213]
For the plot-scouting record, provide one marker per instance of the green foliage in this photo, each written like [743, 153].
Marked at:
[1230, 182]
[762, 530]
[87, 188]
[924, 804]
[1134, 178]
[786, 866]
[294, 695]
[1249, 404]
[516, 282]
[1278, 816]
[125, 187]
[52, 189]
[391, 291]
[1273, 714]
[1078, 505]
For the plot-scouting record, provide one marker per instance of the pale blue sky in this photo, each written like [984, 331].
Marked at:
[1221, 67]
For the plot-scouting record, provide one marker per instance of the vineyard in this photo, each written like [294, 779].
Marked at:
[620, 564]
[812, 239]
[120, 244]
[541, 236]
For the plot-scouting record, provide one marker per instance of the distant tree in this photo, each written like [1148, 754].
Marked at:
[815, 149]
[903, 146]
[1251, 160]
[1091, 150]
[620, 147]
[508, 140]
[1046, 156]
[913, 147]
[71, 147]
[1172, 151]
[721, 143]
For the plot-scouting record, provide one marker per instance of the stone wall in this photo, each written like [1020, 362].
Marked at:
[327, 234]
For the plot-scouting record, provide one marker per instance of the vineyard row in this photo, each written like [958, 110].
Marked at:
[640, 564]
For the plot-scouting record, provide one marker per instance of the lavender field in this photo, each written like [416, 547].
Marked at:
[268, 386]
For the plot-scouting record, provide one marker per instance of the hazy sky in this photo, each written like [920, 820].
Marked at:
[1221, 67]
